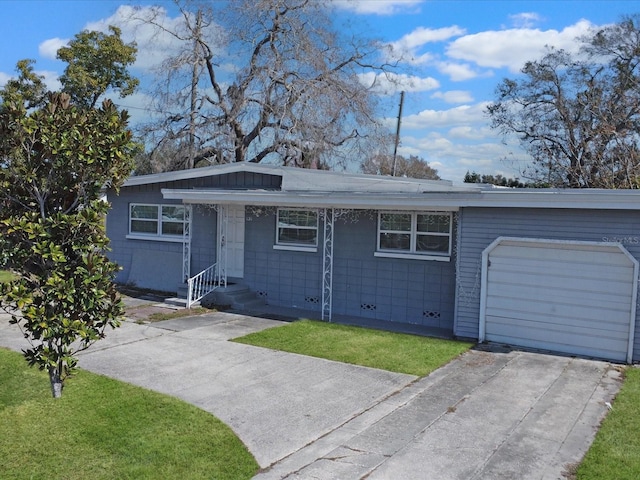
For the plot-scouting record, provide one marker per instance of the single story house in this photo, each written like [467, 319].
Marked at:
[539, 268]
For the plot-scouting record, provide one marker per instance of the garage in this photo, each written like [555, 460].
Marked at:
[563, 296]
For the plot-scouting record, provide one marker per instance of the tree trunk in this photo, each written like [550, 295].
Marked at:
[56, 383]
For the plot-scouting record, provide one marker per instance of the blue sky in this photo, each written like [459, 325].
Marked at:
[457, 52]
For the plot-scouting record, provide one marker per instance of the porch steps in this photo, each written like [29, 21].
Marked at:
[236, 296]
[179, 302]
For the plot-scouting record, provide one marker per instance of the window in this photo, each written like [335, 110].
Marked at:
[156, 220]
[297, 228]
[412, 233]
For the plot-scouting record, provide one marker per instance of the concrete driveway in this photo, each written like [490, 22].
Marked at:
[486, 415]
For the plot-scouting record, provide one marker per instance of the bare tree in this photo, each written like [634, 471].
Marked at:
[578, 116]
[269, 80]
[413, 167]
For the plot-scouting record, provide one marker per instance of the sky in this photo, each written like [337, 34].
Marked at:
[455, 54]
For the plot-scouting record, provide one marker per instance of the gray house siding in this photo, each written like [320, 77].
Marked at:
[282, 277]
[389, 289]
[392, 289]
[157, 264]
[478, 227]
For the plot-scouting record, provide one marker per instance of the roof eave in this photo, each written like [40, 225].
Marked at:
[451, 200]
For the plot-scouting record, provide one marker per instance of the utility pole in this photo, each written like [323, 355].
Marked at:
[395, 148]
[195, 73]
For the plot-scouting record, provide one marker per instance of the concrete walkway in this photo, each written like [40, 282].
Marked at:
[486, 415]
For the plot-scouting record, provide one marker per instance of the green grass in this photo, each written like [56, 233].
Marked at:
[105, 429]
[5, 276]
[615, 452]
[394, 352]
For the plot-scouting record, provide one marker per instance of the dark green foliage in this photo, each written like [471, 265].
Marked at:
[54, 162]
[96, 62]
[501, 181]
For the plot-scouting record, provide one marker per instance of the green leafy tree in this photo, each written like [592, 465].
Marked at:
[54, 162]
[28, 88]
[97, 62]
[499, 180]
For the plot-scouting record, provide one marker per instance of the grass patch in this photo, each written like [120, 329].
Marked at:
[394, 352]
[5, 276]
[615, 452]
[105, 429]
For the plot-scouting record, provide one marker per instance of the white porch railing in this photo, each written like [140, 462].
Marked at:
[201, 284]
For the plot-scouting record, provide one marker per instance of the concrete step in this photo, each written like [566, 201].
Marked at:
[236, 296]
[179, 302]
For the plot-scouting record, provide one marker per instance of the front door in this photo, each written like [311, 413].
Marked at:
[231, 240]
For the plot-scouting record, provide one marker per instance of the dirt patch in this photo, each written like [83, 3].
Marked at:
[143, 313]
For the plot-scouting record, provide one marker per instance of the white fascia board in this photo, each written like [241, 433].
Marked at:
[588, 199]
[357, 201]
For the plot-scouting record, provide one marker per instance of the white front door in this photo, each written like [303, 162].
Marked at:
[231, 240]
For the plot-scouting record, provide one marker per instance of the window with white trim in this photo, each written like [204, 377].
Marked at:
[155, 220]
[297, 228]
[415, 233]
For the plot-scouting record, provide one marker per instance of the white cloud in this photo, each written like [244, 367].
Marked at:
[137, 105]
[377, 7]
[454, 96]
[408, 47]
[391, 83]
[4, 78]
[467, 132]
[525, 19]
[458, 72]
[457, 116]
[153, 42]
[49, 48]
[513, 47]
[453, 159]
[51, 80]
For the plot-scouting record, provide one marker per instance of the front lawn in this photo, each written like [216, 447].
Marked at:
[105, 429]
[615, 453]
[395, 352]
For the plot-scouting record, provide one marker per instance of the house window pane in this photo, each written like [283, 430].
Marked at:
[300, 218]
[415, 233]
[399, 222]
[158, 220]
[395, 241]
[297, 227]
[144, 226]
[144, 211]
[170, 213]
[172, 228]
[297, 236]
[434, 223]
[432, 244]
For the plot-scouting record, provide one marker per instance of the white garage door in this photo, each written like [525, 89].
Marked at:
[571, 297]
